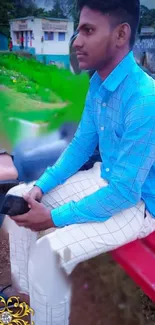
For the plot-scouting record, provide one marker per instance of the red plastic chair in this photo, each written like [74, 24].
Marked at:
[138, 260]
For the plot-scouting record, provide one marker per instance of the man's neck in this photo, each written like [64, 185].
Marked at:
[105, 72]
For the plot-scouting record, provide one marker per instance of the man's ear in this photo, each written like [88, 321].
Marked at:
[123, 34]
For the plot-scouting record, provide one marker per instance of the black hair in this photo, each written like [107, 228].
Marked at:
[123, 11]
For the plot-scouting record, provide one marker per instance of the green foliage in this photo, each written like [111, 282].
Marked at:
[57, 11]
[47, 83]
[22, 84]
[6, 12]
[69, 87]
[10, 9]
[147, 17]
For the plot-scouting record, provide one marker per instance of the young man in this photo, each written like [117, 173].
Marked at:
[113, 203]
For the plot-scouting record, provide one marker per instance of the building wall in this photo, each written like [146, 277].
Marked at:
[59, 60]
[54, 46]
[35, 40]
[25, 28]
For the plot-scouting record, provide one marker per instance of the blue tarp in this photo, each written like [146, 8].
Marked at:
[3, 42]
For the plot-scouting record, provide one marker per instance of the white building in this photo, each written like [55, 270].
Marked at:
[48, 39]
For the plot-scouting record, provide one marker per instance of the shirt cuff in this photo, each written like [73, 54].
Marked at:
[62, 216]
[65, 215]
[47, 182]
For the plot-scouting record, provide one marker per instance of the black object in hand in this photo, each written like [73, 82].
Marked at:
[14, 205]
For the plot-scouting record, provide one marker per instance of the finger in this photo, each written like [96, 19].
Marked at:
[20, 218]
[26, 196]
[32, 203]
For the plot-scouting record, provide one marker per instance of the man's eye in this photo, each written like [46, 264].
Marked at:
[89, 30]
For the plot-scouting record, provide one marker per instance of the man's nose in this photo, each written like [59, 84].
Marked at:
[78, 43]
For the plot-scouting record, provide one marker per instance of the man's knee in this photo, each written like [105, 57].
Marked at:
[16, 190]
[20, 189]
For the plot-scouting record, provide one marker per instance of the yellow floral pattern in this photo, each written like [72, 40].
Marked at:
[12, 312]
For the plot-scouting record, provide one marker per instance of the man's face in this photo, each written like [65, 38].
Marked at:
[96, 42]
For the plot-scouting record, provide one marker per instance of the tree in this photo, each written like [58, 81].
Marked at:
[147, 17]
[6, 12]
[143, 10]
[57, 11]
[24, 8]
[73, 11]
[10, 9]
[40, 12]
[65, 9]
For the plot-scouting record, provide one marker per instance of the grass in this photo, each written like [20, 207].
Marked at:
[61, 82]
[39, 93]
[21, 83]
[23, 102]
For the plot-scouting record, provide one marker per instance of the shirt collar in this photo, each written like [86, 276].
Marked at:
[116, 77]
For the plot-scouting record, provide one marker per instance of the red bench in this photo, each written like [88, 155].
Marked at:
[138, 260]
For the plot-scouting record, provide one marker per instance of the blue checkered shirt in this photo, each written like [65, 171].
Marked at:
[119, 115]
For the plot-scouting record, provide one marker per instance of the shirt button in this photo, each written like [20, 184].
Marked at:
[104, 104]
[107, 170]
[102, 128]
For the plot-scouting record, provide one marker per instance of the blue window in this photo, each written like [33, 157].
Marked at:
[48, 36]
[61, 36]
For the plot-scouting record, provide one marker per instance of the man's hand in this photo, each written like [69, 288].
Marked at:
[37, 219]
[35, 194]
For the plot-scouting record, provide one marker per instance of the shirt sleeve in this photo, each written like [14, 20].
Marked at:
[135, 159]
[75, 155]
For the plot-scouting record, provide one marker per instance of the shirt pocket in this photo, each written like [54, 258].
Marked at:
[115, 146]
[109, 143]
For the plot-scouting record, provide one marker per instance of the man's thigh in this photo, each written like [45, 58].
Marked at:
[78, 186]
[81, 242]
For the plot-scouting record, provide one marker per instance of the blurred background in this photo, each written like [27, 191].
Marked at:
[41, 86]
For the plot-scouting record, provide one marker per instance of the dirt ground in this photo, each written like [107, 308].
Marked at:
[102, 293]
